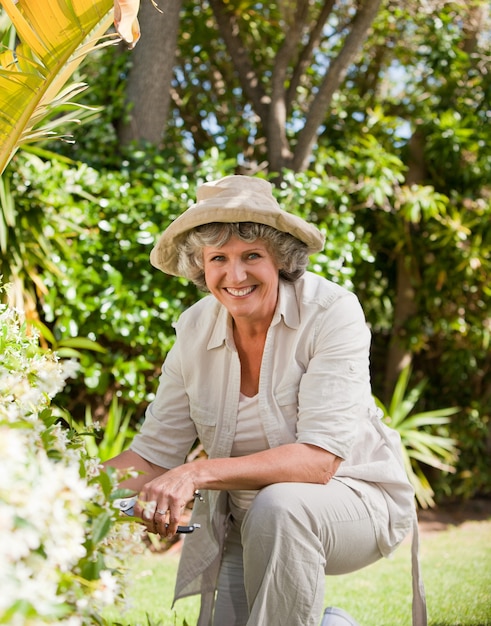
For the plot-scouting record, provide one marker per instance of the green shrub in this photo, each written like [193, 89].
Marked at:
[99, 285]
[63, 544]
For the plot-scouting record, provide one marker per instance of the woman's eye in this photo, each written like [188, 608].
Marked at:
[253, 255]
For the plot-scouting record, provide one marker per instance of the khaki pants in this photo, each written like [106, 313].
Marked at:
[274, 563]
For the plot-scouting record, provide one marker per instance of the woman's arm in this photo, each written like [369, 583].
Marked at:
[293, 462]
[131, 460]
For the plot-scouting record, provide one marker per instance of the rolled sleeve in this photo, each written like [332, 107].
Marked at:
[168, 432]
[334, 392]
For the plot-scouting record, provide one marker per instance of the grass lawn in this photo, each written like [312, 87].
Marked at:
[456, 569]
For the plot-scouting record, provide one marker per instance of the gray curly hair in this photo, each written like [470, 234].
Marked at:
[290, 254]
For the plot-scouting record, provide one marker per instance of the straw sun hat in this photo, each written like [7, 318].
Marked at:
[231, 199]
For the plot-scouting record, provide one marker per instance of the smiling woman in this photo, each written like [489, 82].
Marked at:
[291, 254]
[244, 278]
[271, 372]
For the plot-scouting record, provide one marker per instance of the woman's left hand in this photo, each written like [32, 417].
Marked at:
[162, 500]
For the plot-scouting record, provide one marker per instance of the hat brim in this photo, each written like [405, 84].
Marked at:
[239, 207]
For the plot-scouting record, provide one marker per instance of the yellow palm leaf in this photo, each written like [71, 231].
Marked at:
[55, 36]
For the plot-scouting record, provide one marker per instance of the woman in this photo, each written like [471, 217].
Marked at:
[271, 373]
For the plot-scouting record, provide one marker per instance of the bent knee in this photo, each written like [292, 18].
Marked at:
[274, 504]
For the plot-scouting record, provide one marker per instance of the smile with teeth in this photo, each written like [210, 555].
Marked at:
[245, 291]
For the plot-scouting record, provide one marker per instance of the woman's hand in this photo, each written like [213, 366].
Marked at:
[162, 500]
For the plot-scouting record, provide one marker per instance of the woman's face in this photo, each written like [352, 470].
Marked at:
[244, 278]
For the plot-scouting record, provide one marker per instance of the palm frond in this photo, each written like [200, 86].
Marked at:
[55, 36]
[438, 417]
[422, 443]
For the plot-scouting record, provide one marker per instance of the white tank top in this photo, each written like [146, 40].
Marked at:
[249, 438]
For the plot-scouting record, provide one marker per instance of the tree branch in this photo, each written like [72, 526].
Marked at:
[332, 80]
[229, 30]
[278, 147]
[306, 55]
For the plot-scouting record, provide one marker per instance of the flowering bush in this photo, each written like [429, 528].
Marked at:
[63, 543]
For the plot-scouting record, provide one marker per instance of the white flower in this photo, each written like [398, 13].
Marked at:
[107, 589]
[44, 525]
[93, 467]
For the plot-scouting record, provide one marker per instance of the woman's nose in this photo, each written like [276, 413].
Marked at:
[237, 271]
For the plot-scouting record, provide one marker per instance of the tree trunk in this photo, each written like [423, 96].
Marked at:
[399, 354]
[148, 88]
[475, 25]
[291, 62]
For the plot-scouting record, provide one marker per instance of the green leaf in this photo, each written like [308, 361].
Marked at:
[82, 343]
[55, 36]
[101, 526]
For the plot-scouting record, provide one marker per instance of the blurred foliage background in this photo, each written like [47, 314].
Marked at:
[371, 118]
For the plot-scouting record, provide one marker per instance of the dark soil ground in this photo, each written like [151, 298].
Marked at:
[442, 517]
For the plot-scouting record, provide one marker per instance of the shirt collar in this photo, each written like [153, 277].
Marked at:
[286, 308]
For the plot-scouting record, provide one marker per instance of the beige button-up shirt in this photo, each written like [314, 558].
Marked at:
[314, 388]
